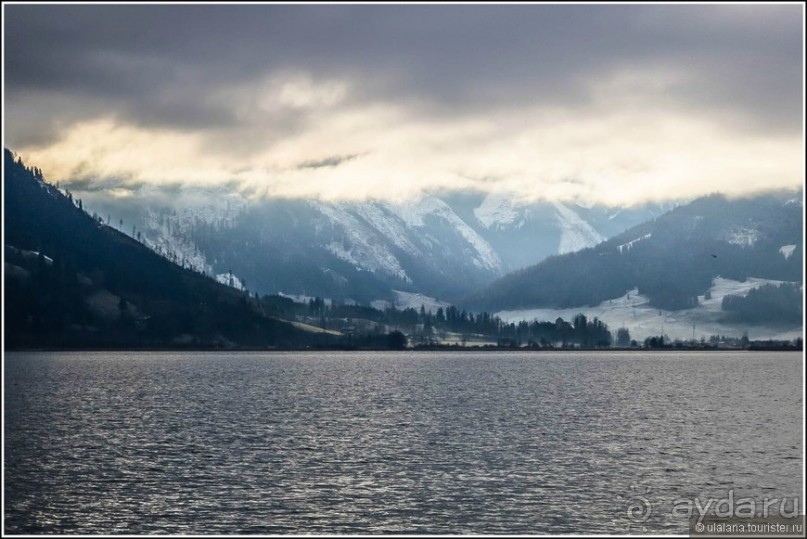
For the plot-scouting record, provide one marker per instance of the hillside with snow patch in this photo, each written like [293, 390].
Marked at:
[634, 312]
[671, 260]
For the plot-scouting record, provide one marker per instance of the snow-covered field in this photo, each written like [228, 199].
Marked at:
[633, 312]
[406, 300]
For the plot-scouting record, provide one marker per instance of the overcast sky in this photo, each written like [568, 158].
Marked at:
[602, 103]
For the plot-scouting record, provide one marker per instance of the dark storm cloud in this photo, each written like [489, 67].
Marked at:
[332, 161]
[159, 65]
[93, 184]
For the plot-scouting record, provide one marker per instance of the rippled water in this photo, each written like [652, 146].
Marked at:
[508, 443]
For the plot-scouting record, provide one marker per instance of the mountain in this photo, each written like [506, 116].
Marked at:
[141, 279]
[523, 233]
[672, 261]
[72, 281]
[444, 245]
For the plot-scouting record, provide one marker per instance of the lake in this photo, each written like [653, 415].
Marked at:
[385, 442]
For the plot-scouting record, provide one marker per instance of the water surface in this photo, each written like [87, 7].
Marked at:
[427, 443]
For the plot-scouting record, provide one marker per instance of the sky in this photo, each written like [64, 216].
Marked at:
[612, 104]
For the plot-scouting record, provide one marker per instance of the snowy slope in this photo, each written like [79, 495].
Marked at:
[743, 236]
[499, 211]
[575, 234]
[168, 235]
[787, 250]
[358, 244]
[386, 223]
[415, 214]
[168, 232]
[230, 280]
[627, 246]
[367, 232]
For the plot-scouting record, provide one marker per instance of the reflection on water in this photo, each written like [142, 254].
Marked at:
[423, 443]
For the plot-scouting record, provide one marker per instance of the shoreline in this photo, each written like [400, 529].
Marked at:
[409, 350]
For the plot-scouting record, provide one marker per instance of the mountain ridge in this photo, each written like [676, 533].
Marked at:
[442, 244]
[672, 259]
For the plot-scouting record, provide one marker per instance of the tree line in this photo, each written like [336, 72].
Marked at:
[428, 326]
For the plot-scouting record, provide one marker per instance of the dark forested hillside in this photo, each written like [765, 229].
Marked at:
[768, 302]
[70, 280]
[671, 259]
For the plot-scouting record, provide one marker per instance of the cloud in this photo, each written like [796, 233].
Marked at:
[610, 103]
[332, 161]
[595, 154]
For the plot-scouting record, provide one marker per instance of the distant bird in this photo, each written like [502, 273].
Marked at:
[714, 255]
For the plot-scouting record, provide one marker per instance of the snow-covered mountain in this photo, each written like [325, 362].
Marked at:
[672, 261]
[524, 233]
[443, 245]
